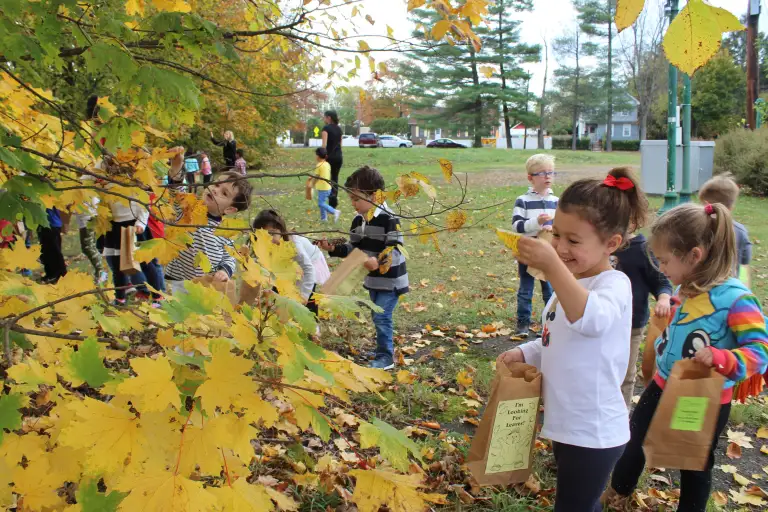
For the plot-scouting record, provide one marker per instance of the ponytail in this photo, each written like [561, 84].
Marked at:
[710, 228]
[612, 205]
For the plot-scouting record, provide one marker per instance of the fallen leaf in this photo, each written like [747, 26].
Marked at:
[662, 479]
[754, 490]
[745, 499]
[720, 498]
[762, 433]
[740, 479]
[464, 378]
[733, 451]
[406, 377]
[764, 449]
[728, 469]
[740, 438]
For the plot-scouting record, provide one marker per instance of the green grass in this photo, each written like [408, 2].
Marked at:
[753, 413]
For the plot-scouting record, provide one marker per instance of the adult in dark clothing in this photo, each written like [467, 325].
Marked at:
[332, 143]
[229, 146]
[50, 248]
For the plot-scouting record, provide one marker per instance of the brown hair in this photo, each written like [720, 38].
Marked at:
[720, 189]
[271, 219]
[688, 226]
[242, 186]
[366, 179]
[609, 209]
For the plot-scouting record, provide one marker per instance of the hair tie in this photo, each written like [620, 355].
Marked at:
[710, 210]
[622, 184]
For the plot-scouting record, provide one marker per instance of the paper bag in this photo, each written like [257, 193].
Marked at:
[682, 429]
[346, 275]
[502, 449]
[308, 189]
[655, 327]
[225, 287]
[249, 294]
[128, 265]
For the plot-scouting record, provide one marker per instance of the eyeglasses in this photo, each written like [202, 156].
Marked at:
[546, 174]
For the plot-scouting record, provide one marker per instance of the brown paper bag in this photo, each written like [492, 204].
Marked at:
[128, 265]
[680, 435]
[655, 327]
[502, 449]
[225, 287]
[308, 189]
[346, 273]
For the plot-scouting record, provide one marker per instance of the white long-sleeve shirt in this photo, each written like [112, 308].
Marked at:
[583, 364]
[304, 259]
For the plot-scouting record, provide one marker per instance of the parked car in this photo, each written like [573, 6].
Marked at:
[445, 143]
[393, 141]
[369, 140]
[349, 141]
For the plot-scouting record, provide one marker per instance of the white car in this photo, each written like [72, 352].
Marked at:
[393, 141]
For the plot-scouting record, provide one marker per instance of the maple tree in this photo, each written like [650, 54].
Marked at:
[136, 408]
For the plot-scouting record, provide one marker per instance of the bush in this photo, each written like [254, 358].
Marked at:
[564, 142]
[744, 154]
[392, 126]
[624, 145]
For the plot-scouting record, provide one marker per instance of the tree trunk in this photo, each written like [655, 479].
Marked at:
[576, 97]
[504, 106]
[525, 126]
[542, 103]
[644, 126]
[608, 136]
[478, 122]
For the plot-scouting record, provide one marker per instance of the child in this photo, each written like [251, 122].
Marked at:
[533, 214]
[324, 188]
[240, 166]
[83, 215]
[227, 195]
[205, 168]
[584, 348]
[722, 189]
[373, 236]
[191, 166]
[272, 222]
[642, 270]
[50, 248]
[723, 328]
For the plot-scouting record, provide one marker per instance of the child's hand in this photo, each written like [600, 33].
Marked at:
[662, 306]
[510, 356]
[325, 246]
[371, 263]
[139, 229]
[178, 159]
[221, 276]
[544, 218]
[536, 253]
[548, 227]
[704, 356]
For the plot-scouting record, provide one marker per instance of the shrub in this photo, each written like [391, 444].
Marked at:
[391, 126]
[624, 145]
[564, 142]
[744, 154]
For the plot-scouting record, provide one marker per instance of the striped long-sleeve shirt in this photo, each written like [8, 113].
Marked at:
[183, 267]
[382, 231]
[528, 207]
[747, 323]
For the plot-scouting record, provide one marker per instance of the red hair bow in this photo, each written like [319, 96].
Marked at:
[619, 183]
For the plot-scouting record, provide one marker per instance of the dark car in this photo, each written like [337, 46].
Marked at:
[445, 143]
[369, 140]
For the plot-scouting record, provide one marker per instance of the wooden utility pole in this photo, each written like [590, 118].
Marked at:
[753, 15]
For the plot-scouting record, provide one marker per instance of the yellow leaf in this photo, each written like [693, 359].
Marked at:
[164, 249]
[440, 28]
[20, 257]
[363, 46]
[390, 32]
[378, 487]
[509, 238]
[134, 7]
[740, 479]
[456, 219]
[627, 12]
[746, 499]
[369, 19]
[415, 4]
[408, 186]
[37, 484]
[762, 433]
[447, 167]
[156, 133]
[764, 449]
[202, 442]
[487, 71]
[153, 389]
[30, 374]
[202, 261]
[162, 491]
[464, 378]
[719, 497]
[385, 260]
[406, 377]
[284, 502]
[243, 497]
[695, 34]
[225, 380]
[172, 5]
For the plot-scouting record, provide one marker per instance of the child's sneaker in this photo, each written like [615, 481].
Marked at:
[141, 296]
[336, 216]
[382, 364]
[119, 302]
[523, 330]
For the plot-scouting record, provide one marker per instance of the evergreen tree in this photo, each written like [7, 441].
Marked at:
[719, 96]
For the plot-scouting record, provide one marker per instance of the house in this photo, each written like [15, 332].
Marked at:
[624, 124]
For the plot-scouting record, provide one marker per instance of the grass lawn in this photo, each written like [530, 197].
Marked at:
[471, 281]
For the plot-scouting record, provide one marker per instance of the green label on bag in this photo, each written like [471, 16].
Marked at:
[512, 435]
[689, 413]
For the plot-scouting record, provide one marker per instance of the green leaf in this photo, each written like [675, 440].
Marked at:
[320, 425]
[198, 299]
[117, 132]
[88, 365]
[10, 417]
[14, 208]
[21, 341]
[298, 312]
[91, 500]
[101, 56]
[345, 306]
[393, 444]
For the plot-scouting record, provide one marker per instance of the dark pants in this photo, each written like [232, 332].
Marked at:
[582, 474]
[121, 279]
[207, 178]
[191, 178]
[525, 295]
[335, 164]
[50, 252]
[694, 485]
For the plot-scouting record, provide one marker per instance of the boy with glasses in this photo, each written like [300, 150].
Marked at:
[533, 213]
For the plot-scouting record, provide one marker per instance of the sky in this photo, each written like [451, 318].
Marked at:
[549, 19]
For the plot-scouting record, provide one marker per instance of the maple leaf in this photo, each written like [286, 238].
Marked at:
[739, 438]
[743, 498]
[14, 447]
[37, 484]
[91, 500]
[153, 388]
[378, 487]
[6, 494]
[464, 378]
[30, 375]
[86, 365]
[509, 238]
[20, 257]
[163, 491]
[393, 444]
[456, 219]
[243, 497]
[202, 442]
[164, 249]
[10, 417]
[225, 380]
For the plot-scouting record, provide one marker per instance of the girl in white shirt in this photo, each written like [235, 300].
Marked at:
[584, 348]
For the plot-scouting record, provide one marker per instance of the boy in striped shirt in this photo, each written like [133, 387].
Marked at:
[227, 195]
[533, 213]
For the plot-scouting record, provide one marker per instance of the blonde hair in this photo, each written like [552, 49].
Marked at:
[538, 161]
[685, 227]
[720, 189]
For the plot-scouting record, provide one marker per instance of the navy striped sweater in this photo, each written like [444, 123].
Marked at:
[528, 207]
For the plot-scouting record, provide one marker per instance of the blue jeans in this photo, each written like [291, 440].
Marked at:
[121, 279]
[386, 300]
[322, 202]
[525, 295]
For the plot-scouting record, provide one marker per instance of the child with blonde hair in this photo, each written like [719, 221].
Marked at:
[584, 347]
[533, 213]
[719, 323]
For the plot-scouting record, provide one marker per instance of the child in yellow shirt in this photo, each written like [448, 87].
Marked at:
[323, 186]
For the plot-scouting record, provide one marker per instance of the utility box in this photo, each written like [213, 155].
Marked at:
[653, 165]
